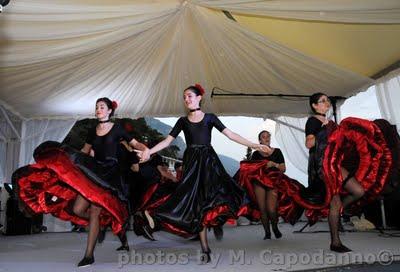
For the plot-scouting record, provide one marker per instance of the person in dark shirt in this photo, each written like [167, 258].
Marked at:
[317, 130]
[104, 139]
[207, 196]
[267, 195]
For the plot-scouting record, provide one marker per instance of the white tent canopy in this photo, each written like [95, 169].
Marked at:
[57, 57]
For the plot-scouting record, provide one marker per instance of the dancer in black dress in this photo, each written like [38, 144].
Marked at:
[207, 196]
[346, 162]
[270, 192]
[74, 186]
[267, 196]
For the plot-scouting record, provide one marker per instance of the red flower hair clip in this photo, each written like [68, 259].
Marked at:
[200, 88]
[114, 105]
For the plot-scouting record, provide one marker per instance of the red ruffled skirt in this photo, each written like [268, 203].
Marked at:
[271, 178]
[52, 184]
[359, 146]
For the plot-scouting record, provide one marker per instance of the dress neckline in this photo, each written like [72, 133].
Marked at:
[187, 118]
[107, 131]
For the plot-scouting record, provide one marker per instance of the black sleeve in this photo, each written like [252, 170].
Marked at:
[279, 156]
[217, 123]
[90, 136]
[313, 126]
[177, 128]
[123, 133]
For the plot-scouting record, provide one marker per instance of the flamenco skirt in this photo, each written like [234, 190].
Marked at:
[207, 196]
[360, 147]
[60, 174]
[252, 172]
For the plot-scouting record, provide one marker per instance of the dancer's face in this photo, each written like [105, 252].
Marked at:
[102, 111]
[265, 138]
[192, 101]
[323, 104]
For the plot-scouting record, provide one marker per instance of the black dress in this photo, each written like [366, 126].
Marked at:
[316, 190]
[276, 156]
[61, 173]
[207, 196]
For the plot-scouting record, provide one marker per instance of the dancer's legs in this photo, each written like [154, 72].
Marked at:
[261, 195]
[81, 207]
[272, 209]
[353, 187]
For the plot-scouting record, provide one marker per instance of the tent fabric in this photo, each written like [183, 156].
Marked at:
[19, 138]
[388, 95]
[344, 11]
[59, 56]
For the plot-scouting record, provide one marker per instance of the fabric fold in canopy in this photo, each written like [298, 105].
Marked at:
[57, 57]
[345, 11]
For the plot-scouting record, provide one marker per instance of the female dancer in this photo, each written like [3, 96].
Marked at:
[207, 196]
[266, 185]
[91, 186]
[345, 162]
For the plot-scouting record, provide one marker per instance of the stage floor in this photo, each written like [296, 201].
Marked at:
[242, 248]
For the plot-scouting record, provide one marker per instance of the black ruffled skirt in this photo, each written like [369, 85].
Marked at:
[207, 196]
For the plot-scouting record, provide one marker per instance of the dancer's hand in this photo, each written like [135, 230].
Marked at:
[143, 155]
[263, 148]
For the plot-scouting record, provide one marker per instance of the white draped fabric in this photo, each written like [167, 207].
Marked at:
[388, 95]
[19, 137]
[289, 132]
[35, 132]
[348, 11]
[59, 56]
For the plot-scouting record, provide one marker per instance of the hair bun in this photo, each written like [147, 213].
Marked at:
[200, 88]
[114, 105]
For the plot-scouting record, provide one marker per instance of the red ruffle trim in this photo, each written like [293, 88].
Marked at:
[287, 188]
[365, 138]
[52, 185]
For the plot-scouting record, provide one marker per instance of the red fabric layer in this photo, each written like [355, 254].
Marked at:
[365, 138]
[52, 185]
[147, 203]
[271, 178]
[211, 218]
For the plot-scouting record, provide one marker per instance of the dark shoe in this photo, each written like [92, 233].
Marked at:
[276, 231]
[267, 236]
[86, 261]
[218, 233]
[340, 248]
[205, 256]
[123, 247]
[102, 235]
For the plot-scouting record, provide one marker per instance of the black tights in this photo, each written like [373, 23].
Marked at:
[85, 209]
[267, 200]
[356, 191]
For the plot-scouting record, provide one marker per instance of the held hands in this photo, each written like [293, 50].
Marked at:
[263, 148]
[144, 155]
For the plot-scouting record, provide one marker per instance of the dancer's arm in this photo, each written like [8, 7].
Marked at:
[240, 140]
[310, 141]
[86, 148]
[144, 154]
[161, 145]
